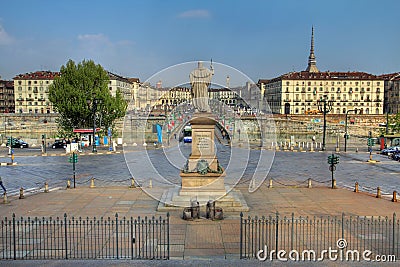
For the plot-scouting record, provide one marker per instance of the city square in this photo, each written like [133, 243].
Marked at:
[199, 134]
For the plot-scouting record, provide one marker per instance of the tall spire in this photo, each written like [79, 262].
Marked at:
[312, 67]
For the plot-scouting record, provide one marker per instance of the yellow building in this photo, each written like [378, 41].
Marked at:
[31, 92]
[126, 86]
[299, 92]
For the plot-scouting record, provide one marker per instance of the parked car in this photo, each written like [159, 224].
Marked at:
[17, 143]
[59, 144]
[390, 150]
[395, 156]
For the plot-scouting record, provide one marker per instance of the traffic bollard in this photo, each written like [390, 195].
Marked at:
[309, 183]
[21, 193]
[270, 183]
[334, 184]
[92, 183]
[394, 199]
[132, 183]
[46, 187]
[356, 187]
[378, 192]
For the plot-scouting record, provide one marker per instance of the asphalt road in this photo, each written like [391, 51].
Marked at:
[162, 166]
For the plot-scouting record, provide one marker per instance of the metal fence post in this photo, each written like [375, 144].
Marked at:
[342, 225]
[292, 234]
[116, 234]
[167, 235]
[65, 236]
[276, 231]
[14, 238]
[241, 236]
[394, 234]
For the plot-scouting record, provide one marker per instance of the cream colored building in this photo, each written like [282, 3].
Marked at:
[31, 92]
[147, 97]
[224, 95]
[125, 85]
[299, 92]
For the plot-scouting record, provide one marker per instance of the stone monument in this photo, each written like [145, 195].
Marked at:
[202, 176]
[200, 80]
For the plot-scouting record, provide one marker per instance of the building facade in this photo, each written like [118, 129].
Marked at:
[392, 93]
[7, 104]
[224, 96]
[300, 92]
[126, 86]
[31, 92]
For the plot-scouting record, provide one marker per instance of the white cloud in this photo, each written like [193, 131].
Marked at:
[195, 13]
[98, 38]
[5, 38]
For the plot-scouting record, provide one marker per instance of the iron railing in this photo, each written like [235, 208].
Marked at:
[348, 235]
[84, 238]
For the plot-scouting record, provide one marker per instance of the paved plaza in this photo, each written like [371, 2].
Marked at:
[200, 240]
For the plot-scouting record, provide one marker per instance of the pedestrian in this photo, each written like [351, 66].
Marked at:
[175, 135]
[2, 186]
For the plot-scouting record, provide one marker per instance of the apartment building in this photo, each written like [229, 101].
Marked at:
[31, 92]
[392, 92]
[301, 92]
[7, 104]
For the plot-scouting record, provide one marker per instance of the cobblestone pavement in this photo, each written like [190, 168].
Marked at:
[200, 239]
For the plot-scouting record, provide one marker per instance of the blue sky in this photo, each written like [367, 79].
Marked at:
[262, 39]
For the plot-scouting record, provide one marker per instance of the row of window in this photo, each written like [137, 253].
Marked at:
[367, 111]
[338, 90]
[36, 111]
[35, 104]
[34, 82]
[35, 88]
[333, 83]
[338, 103]
[367, 97]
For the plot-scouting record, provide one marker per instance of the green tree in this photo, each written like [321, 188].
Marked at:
[394, 123]
[71, 91]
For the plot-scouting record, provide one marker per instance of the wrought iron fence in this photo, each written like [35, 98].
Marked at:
[84, 238]
[313, 237]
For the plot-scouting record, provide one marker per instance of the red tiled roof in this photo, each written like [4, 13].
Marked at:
[390, 76]
[260, 81]
[38, 75]
[134, 80]
[327, 75]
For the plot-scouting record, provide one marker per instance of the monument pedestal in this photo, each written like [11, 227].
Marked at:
[202, 176]
[173, 199]
[198, 184]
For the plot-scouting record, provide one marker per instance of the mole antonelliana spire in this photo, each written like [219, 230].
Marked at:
[312, 67]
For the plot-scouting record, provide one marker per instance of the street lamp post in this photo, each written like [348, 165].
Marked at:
[94, 103]
[346, 136]
[325, 107]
